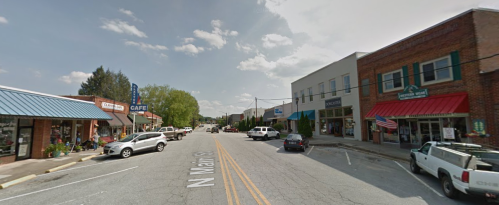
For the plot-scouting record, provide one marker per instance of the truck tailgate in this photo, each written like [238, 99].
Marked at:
[484, 180]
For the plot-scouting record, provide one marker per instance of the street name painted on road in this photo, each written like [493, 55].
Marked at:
[206, 165]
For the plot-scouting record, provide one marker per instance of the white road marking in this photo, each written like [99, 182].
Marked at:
[101, 192]
[63, 185]
[277, 149]
[435, 191]
[310, 150]
[348, 158]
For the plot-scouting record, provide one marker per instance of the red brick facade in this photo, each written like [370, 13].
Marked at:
[472, 35]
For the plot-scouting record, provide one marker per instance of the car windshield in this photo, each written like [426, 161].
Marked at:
[129, 138]
[157, 129]
[294, 137]
[256, 129]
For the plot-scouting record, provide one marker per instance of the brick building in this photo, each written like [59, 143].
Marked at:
[435, 84]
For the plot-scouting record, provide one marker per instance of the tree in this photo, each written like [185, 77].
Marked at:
[261, 121]
[242, 125]
[301, 123]
[307, 129]
[248, 124]
[253, 122]
[278, 126]
[107, 84]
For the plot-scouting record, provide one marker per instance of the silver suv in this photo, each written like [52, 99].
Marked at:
[136, 142]
[264, 133]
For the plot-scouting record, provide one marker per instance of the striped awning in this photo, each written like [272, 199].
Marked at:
[22, 103]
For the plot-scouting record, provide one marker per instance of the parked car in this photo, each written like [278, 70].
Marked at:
[188, 129]
[460, 167]
[296, 141]
[172, 133]
[233, 129]
[208, 129]
[215, 129]
[250, 132]
[135, 143]
[264, 133]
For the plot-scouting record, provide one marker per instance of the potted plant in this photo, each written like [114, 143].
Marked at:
[58, 149]
[78, 148]
[49, 150]
[101, 143]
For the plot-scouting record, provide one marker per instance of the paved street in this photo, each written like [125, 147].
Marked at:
[218, 168]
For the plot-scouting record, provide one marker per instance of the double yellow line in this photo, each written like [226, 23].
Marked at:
[226, 159]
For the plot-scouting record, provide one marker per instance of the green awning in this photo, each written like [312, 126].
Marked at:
[139, 120]
[28, 104]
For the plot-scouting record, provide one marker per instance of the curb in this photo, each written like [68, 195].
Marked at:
[60, 167]
[17, 181]
[87, 158]
[362, 150]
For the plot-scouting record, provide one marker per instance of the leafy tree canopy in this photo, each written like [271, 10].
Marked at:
[107, 84]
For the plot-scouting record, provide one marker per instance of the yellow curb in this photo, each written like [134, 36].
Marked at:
[87, 158]
[101, 153]
[17, 181]
[60, 167]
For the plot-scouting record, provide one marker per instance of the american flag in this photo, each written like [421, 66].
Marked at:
[382, 122]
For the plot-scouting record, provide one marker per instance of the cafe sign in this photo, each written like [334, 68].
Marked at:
[412, 92]
[335, 102]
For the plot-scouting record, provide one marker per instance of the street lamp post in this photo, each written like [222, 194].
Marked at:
[297, 99]
[152, 117]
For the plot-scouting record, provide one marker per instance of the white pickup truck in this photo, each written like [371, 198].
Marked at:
[460, 167]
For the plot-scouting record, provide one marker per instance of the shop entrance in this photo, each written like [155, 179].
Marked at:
[24, 139]
[430, 131]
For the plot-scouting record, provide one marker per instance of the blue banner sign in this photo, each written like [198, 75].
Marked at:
[136, 105]
[138, 108]
[135, 94]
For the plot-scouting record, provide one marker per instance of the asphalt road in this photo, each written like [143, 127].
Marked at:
[229, 168]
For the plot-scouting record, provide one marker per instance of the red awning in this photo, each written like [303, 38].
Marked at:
[440, 104]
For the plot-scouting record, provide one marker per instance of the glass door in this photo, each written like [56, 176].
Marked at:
[430, 131]
[436, 131]
[24, 143]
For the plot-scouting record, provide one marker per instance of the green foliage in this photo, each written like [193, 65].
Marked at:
[307, 128]
[101, 142]
[253, 122]
[107, 84]
[301, 122]
[248, 124]
[176, 107]
[49, 149]
[278, 126]
[261, 121]
[78, 147]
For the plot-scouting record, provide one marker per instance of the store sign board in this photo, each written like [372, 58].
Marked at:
[334, 102]
[113, 106]
[412, 92]
[479, 126]
[136, 105]
[278, 111]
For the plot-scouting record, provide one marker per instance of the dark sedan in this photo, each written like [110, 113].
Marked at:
[214, 129]
[296, 141]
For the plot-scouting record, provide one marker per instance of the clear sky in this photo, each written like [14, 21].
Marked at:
[224, 52]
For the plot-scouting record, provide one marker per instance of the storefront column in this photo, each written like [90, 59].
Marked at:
[41, 138]
[87, 130]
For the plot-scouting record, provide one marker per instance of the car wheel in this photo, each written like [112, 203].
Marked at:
[277, 137]
[414, 167]
[179, 137]
[448, 188]
[285, 149]
[160, 147]
[125, 153]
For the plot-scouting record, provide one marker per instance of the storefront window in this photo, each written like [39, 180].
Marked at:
[322, 113]
[460, 127]
[8, 130]
[348, 111]
[348, 127]
[61, 131]
[323, 125]
[338, 112]
[330, 113]
[391, 136]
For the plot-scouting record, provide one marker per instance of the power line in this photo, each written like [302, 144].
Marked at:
[250, 104]
[479, 59]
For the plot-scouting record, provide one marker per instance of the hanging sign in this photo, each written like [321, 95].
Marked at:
[136, 105]
[278, 111]
[412, 92]
[479, 126]
[112, 106]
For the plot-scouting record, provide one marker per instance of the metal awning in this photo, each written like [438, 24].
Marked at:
[115, 122]
[309, 113]
[434, 105]
[267, 115]
[124, 119]
[22, 103]
[139, 119]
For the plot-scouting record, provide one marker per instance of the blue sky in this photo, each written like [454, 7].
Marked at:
[224, 52]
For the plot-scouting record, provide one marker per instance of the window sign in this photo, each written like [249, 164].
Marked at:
[412, 92]
[449, 133]
[278, 111]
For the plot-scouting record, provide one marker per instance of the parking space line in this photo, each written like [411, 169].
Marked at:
[348, 158]
[421, 181]
[310, 150]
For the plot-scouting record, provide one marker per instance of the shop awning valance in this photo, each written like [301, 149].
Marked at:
[434, 105]
[139, 120]
[22, 103]
[309, 113]
[124, 119]
[115, 122]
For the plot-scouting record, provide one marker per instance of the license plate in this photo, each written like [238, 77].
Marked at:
[292, 142]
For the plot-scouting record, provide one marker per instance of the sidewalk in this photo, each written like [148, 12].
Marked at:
[387, 150]
[15, 170]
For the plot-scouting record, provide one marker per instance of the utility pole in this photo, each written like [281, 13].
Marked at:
[226, 120]
[256, 112]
